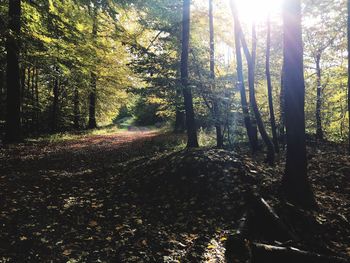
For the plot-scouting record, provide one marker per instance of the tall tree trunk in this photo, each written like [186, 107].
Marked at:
[240, 81]
[269, 87]
[2, 92]
[295, 184]
[251, 79]
[348, 28]
[216, 106]
[37, 104]
[32, 99]
[92, 103]
[76, 119]
[13, 116]
[188, 101]
[319, 130]
[180, 114]
[251, 83]
[282, 111]
[92, 97]
[54, 118]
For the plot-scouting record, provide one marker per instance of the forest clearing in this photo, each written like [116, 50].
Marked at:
[175, 131]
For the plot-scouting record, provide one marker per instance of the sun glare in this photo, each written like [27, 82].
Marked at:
[257, 10]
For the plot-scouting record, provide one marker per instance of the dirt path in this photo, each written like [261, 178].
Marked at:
[59, 201]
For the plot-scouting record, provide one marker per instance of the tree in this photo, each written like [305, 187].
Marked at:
[348, 28]
[92, 96]
[269, 86]
[216, 107]
[240, 81]
[13, 115]
[295, 184]
[188, 101]
[251, 57]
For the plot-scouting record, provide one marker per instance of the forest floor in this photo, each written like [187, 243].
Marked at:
[137, 196]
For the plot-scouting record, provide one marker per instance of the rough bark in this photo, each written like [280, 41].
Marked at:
[13, 115]
[295, 184]
[240, 81]
[319, 130]
[188, 101]
[216, 106]
[269, 87]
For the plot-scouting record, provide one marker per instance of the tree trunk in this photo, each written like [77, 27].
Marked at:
[319, 130]
[251, 79]
[269, 87]
[37, 104]
[216, 106]
[92, 103]
[92, 97]
[2, 92]
[76, 109]
[295, 184]
[180, 114]
[188, 101]
[240, 82]
[282, 112]
[13, 116]
[54, 117]
[348, 28]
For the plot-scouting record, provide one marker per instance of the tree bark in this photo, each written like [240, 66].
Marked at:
[76, 109]
[269, 87]
[13, 131]
[37, 104]
[92, 103]
[92, 97]
[192, 140]
[216, 106]
[240, 81]
[179, 114]
[54, 118]
[319, 130]
[348, 29]
[282, 112]
[295, 184]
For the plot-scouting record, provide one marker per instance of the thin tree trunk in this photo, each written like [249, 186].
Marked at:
[92, 103]
[92, 97]
[13, 116]
[240, 82]
[188, 101]
[251, 79]
[282, 112]
[216, 107]
[37, 104]
[32, 97]
[348, 29]
[295, 184]
[269, 87]
[319, 130]
[76, 109]
[54, 118]
[251, 83]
